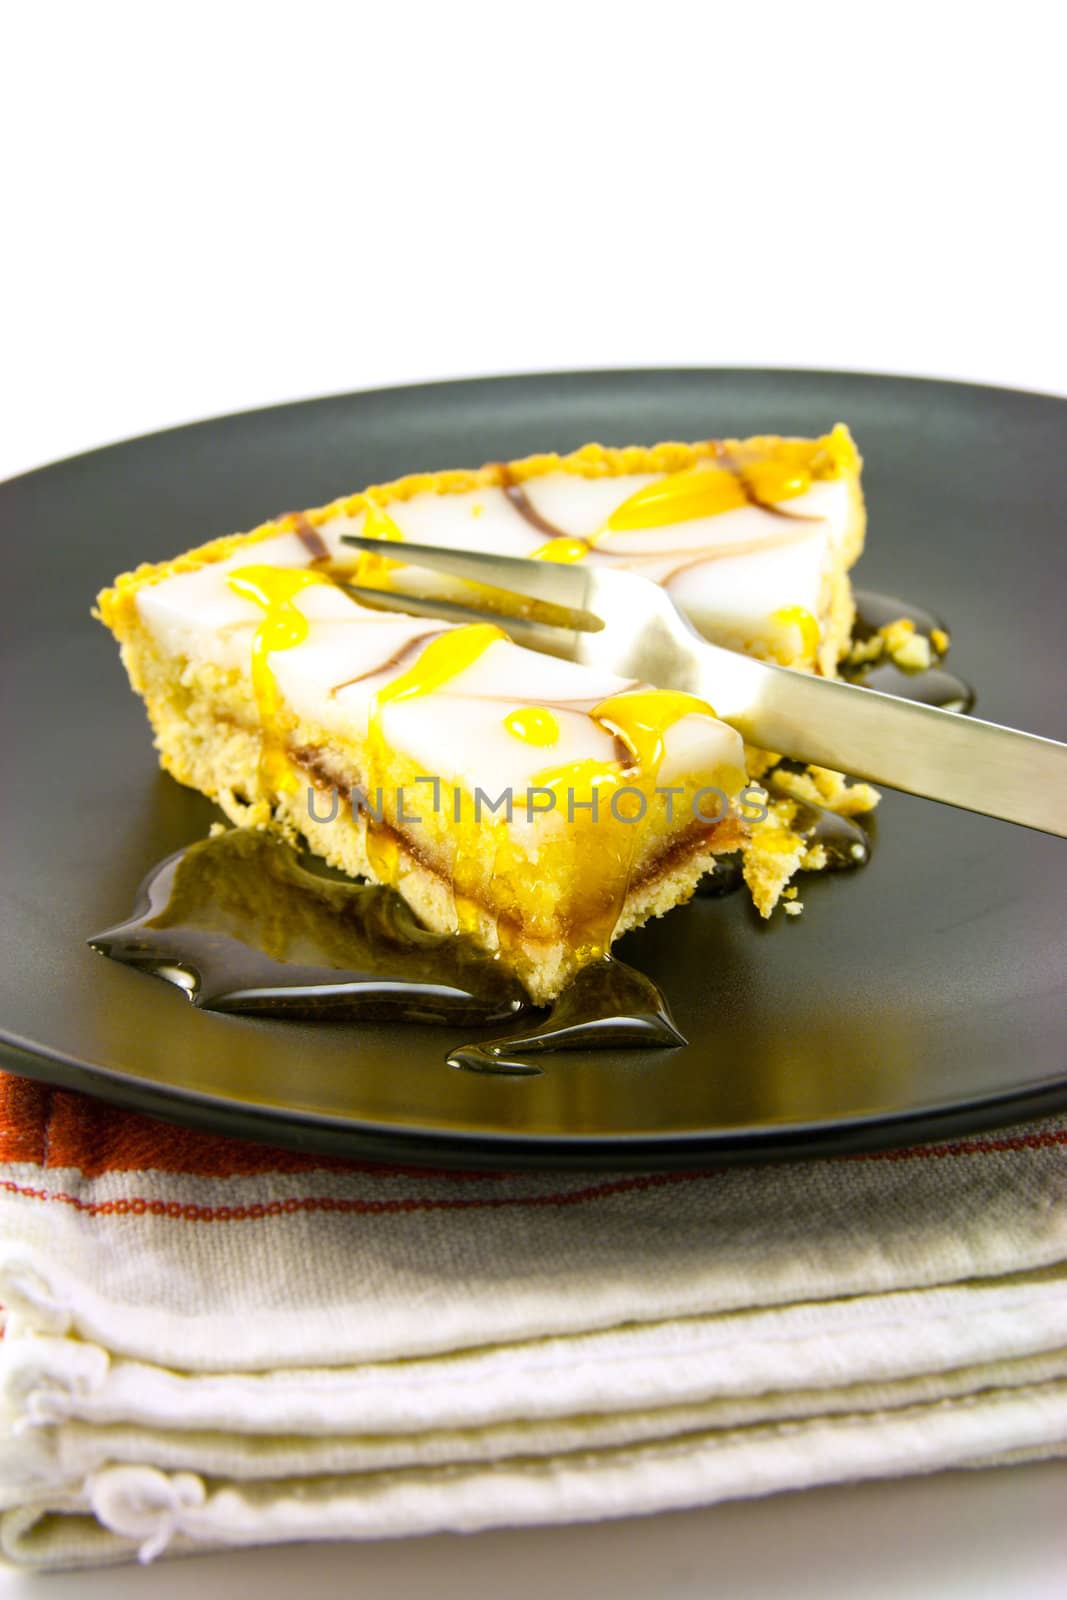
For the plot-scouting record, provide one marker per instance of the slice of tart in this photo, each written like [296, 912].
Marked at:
[540, 806]
[753, 538]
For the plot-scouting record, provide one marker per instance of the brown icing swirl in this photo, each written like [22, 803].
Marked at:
[520, 500]
[311, 539]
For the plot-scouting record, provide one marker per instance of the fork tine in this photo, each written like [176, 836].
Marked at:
[559, 584]
[546, 637]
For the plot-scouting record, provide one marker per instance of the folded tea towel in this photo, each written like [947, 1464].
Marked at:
[211, 1343]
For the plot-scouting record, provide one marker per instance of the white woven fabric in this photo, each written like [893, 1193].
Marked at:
[201, 1362]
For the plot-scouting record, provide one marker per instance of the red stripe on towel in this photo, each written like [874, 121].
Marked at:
[46, 1127]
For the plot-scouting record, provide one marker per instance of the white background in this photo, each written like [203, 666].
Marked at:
[208, 207]
[214, 206]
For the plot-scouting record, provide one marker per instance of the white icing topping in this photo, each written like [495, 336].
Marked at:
[456, 733]
[757, 561]
[730, 572]
[581, 506]
[720, 595]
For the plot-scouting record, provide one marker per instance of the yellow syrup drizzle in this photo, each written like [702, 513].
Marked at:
[774, 836]
[563, 550]
[441, 660]
[798, 617]
[383, 850]
[612, 844]
[371, 569]
[533, 725]
[771, 480]
[641, 719]
[285, 625]
[706, 491]
[679, 497]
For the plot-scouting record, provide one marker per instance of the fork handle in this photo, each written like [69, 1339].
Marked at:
[942, 755]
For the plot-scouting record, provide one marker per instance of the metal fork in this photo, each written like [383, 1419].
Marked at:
[630, 626]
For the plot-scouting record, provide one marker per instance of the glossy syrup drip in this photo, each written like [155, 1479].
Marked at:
[607, 1005]
[241, 925]
[845, 842]
[930, 686]
[874, 611]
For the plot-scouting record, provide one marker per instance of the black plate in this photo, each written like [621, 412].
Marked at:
[921, 996]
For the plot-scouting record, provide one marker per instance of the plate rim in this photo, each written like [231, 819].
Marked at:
[457, 1148]
[471, 379]
[444, 1147]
